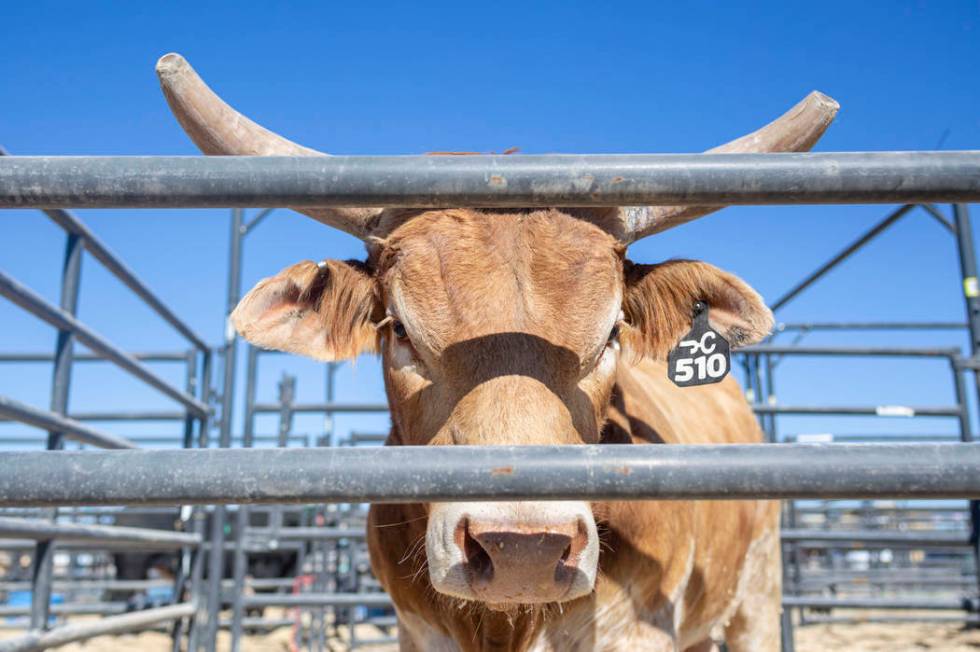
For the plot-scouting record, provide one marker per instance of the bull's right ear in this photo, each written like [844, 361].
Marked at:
[323, 311]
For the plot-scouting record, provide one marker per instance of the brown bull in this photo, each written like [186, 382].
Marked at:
[531, 327]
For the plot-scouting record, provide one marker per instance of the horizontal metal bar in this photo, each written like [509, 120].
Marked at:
[318, 600]
[263, 624]
[886, 620]
[36, 305]
[17, 411]
[260, 547]
[814, 602]
[516, 181]
[134, 415]
[92, 585]
[93, 512]
[306, 533]
[148, 415]
[845, 351]
[141, 440]
[153, 356]
[87, 546]
[905, 573]
[856, 583]
[876, 509]
[489, 473]
[869, 326]
[121, 624]
[69, 609]
[877, 537]
[367, 437]
[958, 550]
[262, 583]
[265, 408]
[45, 530]
[858, 438]
[862, 410]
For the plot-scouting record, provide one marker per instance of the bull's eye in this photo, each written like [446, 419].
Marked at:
[613, 334]
[398, 329]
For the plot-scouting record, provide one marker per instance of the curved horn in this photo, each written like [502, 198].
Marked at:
[218, 129]
[797, 130]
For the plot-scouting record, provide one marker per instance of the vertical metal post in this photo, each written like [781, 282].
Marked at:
[328, 425]
[43, 568]
[959, 388]
[287, 396]
[186, 512]
[971, 293]
[199, 516]
[787, 631]
[324, 580]
[216, 558]
[787, 639]
[191, 387]
[242, 518]
[770, 398]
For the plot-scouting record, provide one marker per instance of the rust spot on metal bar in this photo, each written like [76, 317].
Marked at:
[502, 470]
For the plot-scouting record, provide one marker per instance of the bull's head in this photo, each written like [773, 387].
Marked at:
[495, 327]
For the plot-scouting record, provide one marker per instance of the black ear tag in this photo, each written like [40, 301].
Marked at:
[702, 356]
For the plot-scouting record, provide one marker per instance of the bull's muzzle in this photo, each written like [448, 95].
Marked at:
[506, 554]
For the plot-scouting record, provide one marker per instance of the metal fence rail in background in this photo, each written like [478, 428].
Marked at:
[118, 624]
[62, 320]
[51, 421]
[49, 531]
[41, 530]
[517, 181]
[462, 473]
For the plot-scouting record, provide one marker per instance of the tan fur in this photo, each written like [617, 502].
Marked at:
[321, 311]
[508, 316]
[659, 300]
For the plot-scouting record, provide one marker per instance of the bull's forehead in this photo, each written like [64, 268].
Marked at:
[456, 275]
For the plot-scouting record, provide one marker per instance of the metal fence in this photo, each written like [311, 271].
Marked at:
[350, 474]
[49, 531]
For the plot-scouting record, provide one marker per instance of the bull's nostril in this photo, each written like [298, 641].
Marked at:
[477, 559]
[566, 554]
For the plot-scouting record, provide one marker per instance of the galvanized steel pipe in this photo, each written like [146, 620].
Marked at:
[490, 473]
[514, 181]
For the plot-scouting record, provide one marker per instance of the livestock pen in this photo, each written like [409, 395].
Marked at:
[305, 500]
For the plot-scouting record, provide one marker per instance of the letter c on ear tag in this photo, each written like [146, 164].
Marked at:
[702, 357]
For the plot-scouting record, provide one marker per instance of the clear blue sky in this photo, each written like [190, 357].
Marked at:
[77, 78]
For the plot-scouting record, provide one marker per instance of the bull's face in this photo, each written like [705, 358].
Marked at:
[498, 328]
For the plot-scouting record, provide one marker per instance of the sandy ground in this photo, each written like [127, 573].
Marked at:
[893, 637]
[865, 637]
[277, 641]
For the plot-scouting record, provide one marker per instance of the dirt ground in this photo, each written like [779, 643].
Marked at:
[893, 637]
[865, 637]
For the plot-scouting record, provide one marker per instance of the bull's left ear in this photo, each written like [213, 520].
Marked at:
[325, 311]
[658, 304]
